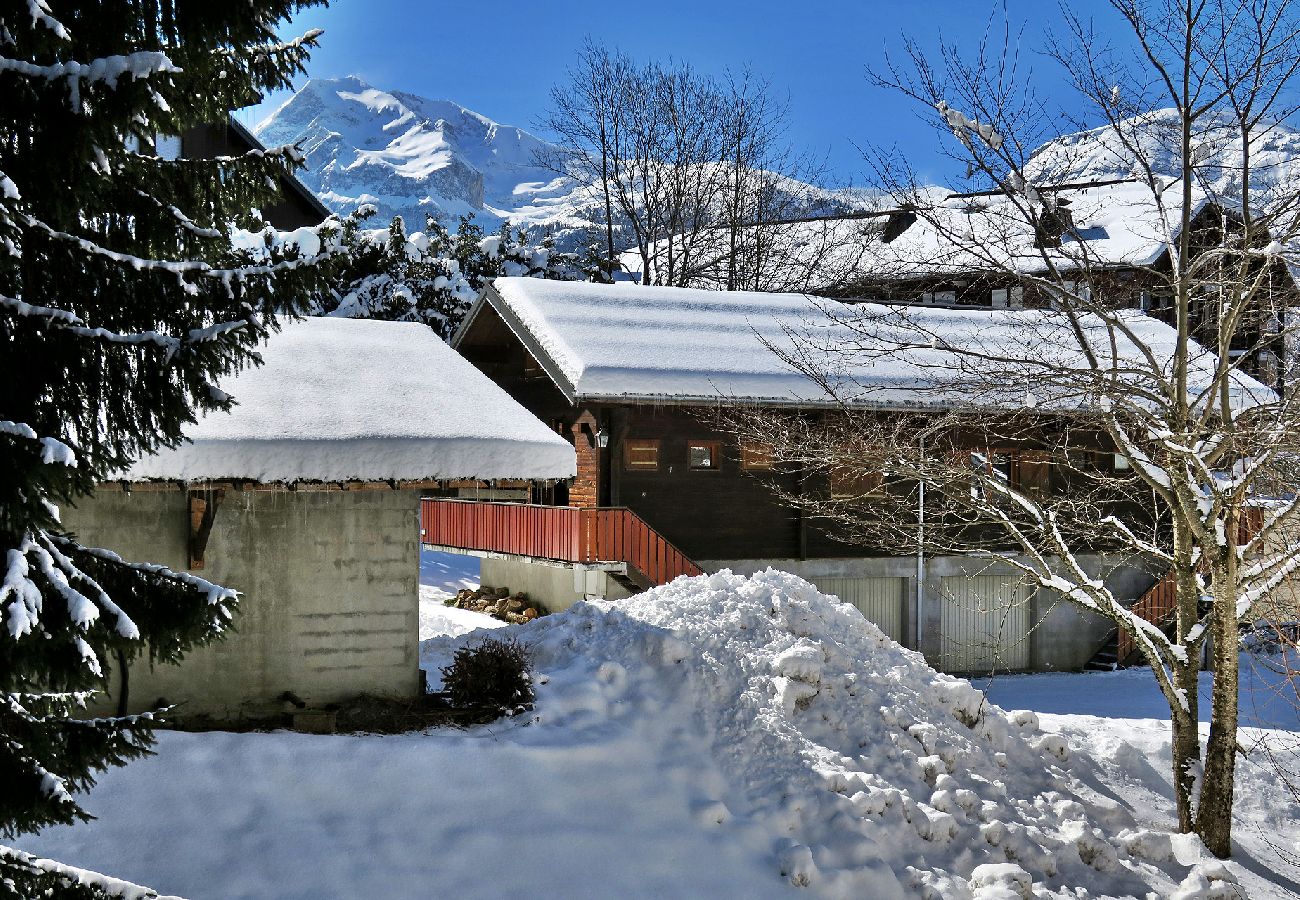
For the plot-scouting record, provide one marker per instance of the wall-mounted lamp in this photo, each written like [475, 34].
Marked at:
[602, 439]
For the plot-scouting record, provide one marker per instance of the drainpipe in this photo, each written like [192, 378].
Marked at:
[920, 549]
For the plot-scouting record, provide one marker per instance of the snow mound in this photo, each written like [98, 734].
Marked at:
[859, 769]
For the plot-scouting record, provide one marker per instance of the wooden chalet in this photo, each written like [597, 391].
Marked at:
[298, 207]
[633, 375]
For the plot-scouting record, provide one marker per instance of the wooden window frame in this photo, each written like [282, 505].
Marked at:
[855, 484]
[632, 445]
[756, 456]
[715, 455]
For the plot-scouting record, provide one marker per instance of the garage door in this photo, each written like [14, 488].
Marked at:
[984, 625]
[879, 599]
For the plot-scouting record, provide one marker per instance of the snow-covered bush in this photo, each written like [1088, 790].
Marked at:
[431, 276]
[492, 673]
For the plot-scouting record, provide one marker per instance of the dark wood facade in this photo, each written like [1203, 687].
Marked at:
[688, 477]
[298, 206]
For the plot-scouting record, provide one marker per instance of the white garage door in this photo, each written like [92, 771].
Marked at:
[984, 625]
[880, 599]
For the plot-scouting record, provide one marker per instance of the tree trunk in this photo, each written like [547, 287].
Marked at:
[1186, 746]
[1214, 811]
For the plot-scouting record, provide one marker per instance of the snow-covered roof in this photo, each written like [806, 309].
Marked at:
[683, 345]
[1115, 225]
[361, 400]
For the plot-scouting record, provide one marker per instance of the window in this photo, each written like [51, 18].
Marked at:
[756, 457]
[1002, 298]
[641, 455]
[939, 298]
[992, 462]
[1033, 472]
[853, 483]
[703, 456]
[1027, 471]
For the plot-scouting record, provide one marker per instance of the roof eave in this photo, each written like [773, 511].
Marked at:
[492, 297]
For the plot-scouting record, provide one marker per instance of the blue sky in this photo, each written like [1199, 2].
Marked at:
[501, 58]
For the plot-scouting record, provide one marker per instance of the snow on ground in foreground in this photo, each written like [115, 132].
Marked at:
[720, 736]
[1120, 720]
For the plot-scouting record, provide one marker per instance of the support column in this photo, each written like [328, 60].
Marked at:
[586, 487]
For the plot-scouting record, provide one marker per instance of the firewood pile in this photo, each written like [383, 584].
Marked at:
[498, 603]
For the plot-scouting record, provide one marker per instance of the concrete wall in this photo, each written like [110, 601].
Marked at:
[1062, 635]
[556, 585]
[330, 585]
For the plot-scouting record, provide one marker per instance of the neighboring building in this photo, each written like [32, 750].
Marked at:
[1106, 237]
[305, 498]
[298, 206]
[634, 374]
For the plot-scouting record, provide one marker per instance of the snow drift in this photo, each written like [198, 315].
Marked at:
[868, 773]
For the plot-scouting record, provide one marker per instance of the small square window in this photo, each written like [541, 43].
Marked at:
[703, 455]
[756, 457]
[641, 455]
[855, 483]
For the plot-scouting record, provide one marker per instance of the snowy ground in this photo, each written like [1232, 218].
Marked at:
[441, 576]
[1116, 719]
[720, 737]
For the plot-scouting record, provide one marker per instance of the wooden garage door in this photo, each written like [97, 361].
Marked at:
[984, 624]
[880, 599]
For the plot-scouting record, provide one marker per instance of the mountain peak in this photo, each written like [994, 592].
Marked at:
[411, 156]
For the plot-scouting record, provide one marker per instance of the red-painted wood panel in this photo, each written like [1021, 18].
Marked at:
[563, 533]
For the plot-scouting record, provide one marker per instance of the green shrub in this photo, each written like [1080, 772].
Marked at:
[492, 673]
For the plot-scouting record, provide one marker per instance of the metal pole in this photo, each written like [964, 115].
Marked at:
[920, 548]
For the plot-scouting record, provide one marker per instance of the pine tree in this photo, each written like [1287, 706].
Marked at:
[432, 276]
[122, 301]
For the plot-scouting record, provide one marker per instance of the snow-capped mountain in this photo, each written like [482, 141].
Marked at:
[1100, 154]
[410, 156]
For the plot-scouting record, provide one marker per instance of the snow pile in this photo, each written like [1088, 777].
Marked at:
[866, 772]
[342, 399]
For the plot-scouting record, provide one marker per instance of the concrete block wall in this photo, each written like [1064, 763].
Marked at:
[330, 595]
[556, 585]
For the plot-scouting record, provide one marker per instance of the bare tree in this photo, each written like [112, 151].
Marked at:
[688, 169]
[587, 115]
[1083, 424]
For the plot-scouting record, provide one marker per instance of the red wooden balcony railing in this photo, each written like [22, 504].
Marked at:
[617, 534]
[563, 533]
[1159, 604]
